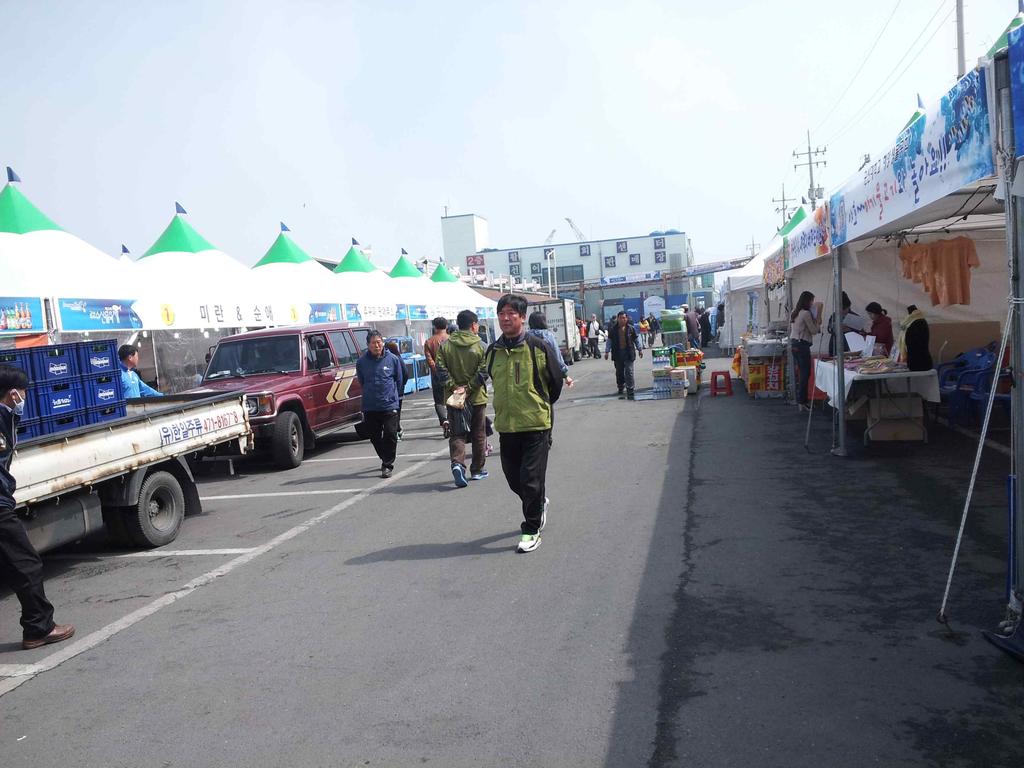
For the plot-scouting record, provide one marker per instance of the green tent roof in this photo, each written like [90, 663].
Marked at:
[442, 275]
[404, 268]
[18, 215]
[1004, 39]
[355, 261]
[179, 236]
[800, 215]
[283, 251]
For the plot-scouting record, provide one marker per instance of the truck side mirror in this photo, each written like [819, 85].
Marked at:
[323, 358]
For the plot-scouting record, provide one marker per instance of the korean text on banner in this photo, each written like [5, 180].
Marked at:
[940, 152]
[97, 315]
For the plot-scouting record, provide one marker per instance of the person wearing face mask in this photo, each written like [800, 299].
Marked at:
[20, 566]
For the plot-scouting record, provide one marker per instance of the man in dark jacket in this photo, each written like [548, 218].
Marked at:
[623, 346]
[20, 566]
[382, 376]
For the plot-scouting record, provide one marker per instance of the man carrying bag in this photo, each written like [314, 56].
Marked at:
[458, 361]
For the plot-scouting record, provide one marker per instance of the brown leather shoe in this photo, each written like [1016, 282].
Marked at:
[57, 634]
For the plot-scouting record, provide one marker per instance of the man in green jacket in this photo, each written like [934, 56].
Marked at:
[458, 361]
[526, 383]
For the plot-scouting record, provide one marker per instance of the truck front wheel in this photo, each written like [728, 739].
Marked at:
[287, 443]
[157, 517]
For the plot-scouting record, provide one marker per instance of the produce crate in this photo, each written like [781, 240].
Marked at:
[59, 397]
[102, 389]
[57, 362]
[54, 424]
[98, 356]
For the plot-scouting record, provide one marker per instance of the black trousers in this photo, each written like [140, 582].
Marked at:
[382, 429]
[437, 391]
[22, 571]
[524, 460]
[595, 344]
[802, 358]
[624, 374]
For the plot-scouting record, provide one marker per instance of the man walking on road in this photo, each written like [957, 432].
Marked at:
[458, 361]
[594, 337]
[382, 377]
[430, 347]
[623, 346]
[527, 384]
[20, 567]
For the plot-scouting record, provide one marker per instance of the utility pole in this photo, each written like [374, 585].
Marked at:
[813, 192]
[755, 247]
[783, 208]
[961, 55]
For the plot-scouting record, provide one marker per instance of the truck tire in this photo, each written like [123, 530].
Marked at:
[157, 517]
[287, 443]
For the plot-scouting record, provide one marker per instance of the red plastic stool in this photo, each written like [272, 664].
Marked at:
[724, 388]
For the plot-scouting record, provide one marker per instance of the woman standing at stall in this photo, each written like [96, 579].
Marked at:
[881, 327]
[914, 340]
[803, 328]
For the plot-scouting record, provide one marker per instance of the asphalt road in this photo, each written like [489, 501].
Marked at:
[323, 616]
[708, 593]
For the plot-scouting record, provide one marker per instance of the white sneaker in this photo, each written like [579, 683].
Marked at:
[528, 542]
[544, 514]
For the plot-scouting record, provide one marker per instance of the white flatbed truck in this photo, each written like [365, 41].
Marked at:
[130, 475]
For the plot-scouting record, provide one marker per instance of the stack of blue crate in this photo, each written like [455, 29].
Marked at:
[29, 425]
[76, 385]
[101, 380]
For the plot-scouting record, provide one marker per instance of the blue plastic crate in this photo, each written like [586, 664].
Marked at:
[28, 429]
[19, 358]
[57, 362]
[59, 397]
[102, 389]
[98, 356]
[51, 425]
[106, 413]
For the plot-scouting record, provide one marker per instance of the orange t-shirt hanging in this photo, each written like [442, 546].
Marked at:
[942, 268]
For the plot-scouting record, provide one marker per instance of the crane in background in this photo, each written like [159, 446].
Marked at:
[576, 230]
[551, 237]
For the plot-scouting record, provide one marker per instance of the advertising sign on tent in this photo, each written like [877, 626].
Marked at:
[811, 239]
[942, 151]
[97, 315]
[1016, 52]
[21, 315]
[325, 313]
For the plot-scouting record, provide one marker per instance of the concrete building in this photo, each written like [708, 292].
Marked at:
[640, 273]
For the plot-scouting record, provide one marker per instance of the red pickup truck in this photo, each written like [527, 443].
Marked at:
[300, 383]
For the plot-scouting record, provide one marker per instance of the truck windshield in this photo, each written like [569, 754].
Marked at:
[248, 357]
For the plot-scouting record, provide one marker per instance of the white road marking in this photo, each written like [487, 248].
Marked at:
[149, 553]
[366, 458]
[188, 552]
[16, 674]
[279, 493]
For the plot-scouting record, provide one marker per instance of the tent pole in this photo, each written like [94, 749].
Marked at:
[840, 344]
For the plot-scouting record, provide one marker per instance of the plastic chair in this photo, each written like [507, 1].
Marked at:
[725, 387]
[978, 397]
[957, 384]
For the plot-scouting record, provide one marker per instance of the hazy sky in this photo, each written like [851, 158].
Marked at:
[364, 119]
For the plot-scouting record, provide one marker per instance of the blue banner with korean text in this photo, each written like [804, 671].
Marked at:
[939, 153]
[97, 315]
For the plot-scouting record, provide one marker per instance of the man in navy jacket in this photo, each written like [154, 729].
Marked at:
[20, 567]
[382, 376]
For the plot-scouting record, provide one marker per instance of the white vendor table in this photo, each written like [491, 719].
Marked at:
[894, 400]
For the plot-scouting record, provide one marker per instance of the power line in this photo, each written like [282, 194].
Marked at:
[872, 101]
[860, 68]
